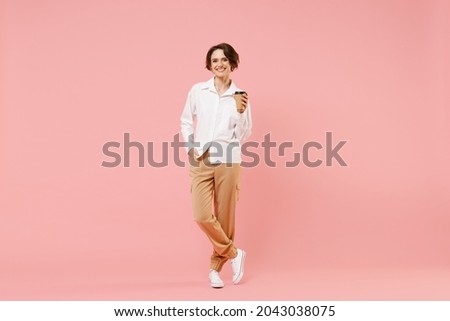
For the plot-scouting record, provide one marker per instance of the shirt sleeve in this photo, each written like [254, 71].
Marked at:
[187, 120]
[243, 128]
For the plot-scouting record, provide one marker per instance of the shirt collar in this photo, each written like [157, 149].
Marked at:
[210, 86]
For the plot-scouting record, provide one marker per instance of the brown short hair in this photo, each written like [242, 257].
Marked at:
[228, 51]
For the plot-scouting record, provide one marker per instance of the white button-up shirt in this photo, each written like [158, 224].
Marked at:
[218, 124]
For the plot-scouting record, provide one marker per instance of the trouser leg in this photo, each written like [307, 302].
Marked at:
[226, 193]
[203, 187]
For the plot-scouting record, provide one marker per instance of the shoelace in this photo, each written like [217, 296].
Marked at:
[215, 276]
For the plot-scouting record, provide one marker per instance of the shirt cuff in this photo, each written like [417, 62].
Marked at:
[242, 118]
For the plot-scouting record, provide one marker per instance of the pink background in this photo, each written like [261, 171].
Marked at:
[77, 74]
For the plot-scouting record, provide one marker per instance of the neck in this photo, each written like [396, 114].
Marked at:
[222, 84]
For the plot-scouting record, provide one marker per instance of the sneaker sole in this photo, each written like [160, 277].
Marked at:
[217, 285]
[241, 272]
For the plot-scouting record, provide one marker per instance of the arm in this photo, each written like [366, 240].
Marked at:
[243, 127]
[187, 121]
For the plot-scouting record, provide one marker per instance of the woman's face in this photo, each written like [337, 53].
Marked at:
[220, 65]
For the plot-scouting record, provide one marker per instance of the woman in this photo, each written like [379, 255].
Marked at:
[223, 121]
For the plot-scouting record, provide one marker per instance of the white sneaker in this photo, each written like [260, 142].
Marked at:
[214, 279]
[237, 264]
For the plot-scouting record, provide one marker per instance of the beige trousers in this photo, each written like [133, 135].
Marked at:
[218, 183]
